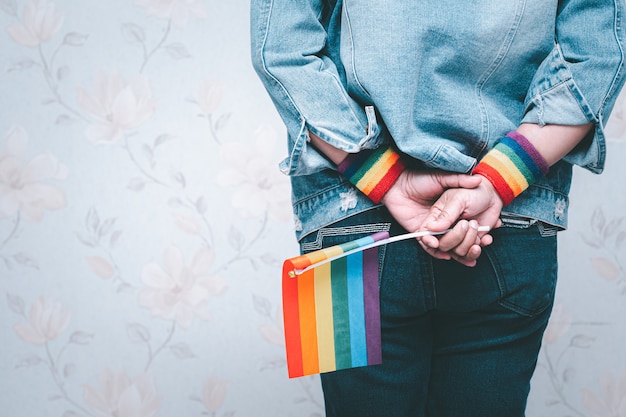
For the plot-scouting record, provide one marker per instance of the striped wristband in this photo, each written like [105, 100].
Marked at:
[373, 171]
[512, 166]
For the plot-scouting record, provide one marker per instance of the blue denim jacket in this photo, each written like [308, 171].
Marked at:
[443, 79]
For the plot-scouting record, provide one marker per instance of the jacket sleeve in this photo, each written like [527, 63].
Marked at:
[295, 48]
[580, 80]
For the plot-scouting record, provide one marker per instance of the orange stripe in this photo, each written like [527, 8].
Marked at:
[502, 164]
[380, 189]
[377, 171]
[308, 328]
[512, 169]
[300, 262]
[304, 261]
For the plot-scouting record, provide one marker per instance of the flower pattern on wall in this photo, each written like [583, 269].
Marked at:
[208, 98]
[117, 106]
[607, 238]
[611, 400]
[117, 110]
[40, 22]
[260, 188]
[25, 186]
[47, 320]
[213, 394]
[120, 396]
[177, 291]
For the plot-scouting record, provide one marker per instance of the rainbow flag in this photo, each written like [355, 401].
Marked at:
[331, 305]
[331, 308]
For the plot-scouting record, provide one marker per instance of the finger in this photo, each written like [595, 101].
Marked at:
[443, 214]
[459, 237]
[486, 240]
[430, 242]
[436, 253]
[471, 258]
[458, 180]
[470, 240]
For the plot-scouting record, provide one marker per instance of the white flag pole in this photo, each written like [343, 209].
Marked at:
[391, 239]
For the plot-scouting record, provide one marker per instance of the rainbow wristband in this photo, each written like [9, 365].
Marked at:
[373, 171]
[512, 166]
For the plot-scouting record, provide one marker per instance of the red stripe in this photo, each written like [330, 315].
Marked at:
[386, 182]
[499, 183]
[291, 318]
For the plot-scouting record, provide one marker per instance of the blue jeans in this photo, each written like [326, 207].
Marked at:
[457, 341]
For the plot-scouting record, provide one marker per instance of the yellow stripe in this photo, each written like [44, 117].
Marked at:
[509, 171]
[516, 175]
[316, 256]
[308, 331]
[377, 171]
[504, 170]
[332, 251]
[324, 315]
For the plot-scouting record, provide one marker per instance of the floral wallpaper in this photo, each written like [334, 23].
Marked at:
[143, 222]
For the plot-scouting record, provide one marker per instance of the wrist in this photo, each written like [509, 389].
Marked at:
[512, 166]
[488, 188]
[334, 154]
[373, 171]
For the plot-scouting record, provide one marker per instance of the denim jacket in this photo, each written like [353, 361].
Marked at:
[443, 79]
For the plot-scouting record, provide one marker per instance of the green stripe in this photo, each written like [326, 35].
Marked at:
[348, 246]
[519, 163]
[367, 165]
[341, 313]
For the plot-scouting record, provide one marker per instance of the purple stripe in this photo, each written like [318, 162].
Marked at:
[347, 161]
[530, 150]
[353, 162]
[372, 306]
[379, 236]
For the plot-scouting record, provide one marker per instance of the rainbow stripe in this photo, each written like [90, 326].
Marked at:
[372, 171]
[512, 166]
[332, 311]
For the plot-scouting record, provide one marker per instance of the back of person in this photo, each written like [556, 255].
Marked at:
[407, 98]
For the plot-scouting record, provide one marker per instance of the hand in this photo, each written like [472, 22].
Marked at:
[481, 205]
[411, 197]
[410, 202]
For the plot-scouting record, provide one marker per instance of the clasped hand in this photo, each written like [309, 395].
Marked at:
[435, 201]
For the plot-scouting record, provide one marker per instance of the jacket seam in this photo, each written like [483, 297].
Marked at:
[484, 78]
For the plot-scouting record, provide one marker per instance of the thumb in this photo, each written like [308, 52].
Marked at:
[443, 214]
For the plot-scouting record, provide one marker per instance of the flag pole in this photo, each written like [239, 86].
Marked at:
[391, 239]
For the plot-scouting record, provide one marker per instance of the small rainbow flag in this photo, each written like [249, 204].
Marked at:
[331, 308]
[331, 305]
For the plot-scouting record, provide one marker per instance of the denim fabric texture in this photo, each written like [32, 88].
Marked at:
[457, 341]
[442, 79]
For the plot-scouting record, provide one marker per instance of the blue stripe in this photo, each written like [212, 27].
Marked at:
[356, 307]
[357, 161]
[521, 153]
